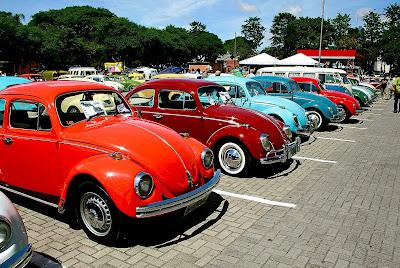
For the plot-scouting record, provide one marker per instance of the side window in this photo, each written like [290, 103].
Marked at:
[275, 88]
[280, 74]
[283, 88]
[305, 87]
[231, 90]
[294, 74]
[2, 107]
[29, 115]
[314, 88]
[241, 93]
[311, 75]
[144, 97]
[321, 78]
[175, 99]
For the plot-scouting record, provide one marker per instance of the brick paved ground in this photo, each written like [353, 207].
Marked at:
[346, 214]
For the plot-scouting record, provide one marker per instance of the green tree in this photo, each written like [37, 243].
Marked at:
[391, 38]
[284, 35]
[253, 31]
[371, 39]
[197, 26]
[244, 47]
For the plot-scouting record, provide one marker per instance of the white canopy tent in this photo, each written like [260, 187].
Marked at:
[298, 60]
[262, 59]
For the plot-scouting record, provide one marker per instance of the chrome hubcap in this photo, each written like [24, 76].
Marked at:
[232, 158]
[342, 114]
[95, 214]
[314, 119]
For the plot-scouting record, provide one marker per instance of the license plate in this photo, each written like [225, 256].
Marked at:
[194, 206]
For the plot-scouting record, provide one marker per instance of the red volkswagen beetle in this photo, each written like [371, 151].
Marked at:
[347, 105]
[197, 107]
[96, 161]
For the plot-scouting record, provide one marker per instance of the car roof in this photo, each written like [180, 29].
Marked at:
[272, 78]
[48, 91]
[302, 79]
[6, 81]
[189, 83]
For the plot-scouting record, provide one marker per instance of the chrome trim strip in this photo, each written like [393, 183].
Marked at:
[283, 157]
[28, 196]
[181, 115]
[28, 138]
[179, 202]
[85, 146]
[221, 120]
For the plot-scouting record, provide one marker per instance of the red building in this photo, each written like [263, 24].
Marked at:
[346, 59]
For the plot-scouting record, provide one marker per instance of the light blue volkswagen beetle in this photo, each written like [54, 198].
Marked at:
[319, 109]
[7, 81]
[249, 93]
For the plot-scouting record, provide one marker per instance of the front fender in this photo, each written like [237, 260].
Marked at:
[198, 148]
[248, 136]
[117, 179]
[322, 109]
[349, 106]
[285, 115]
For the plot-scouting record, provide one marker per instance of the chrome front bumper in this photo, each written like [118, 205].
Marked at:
[19, 259]
[281, 156]
[193, 199]
[359, 111]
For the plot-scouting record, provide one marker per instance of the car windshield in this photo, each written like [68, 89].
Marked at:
[84, 105]
[255, 89]
[213, 95]
[294, 86]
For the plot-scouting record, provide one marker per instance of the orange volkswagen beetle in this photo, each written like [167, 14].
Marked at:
[97, 162]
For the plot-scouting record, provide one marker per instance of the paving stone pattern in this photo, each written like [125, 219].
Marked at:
[346, 214]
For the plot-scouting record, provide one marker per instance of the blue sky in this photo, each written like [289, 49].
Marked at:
[222, 17]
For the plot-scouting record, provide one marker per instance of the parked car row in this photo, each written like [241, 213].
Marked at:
[108, 158]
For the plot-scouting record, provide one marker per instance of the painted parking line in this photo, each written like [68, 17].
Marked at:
[362, 119]
[374, 114]
[255, 199]
[361, 128]
[313, 159]
[333, 139]
[378, 109]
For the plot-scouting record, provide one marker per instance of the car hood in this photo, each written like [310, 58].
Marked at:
[241, 116]
[317, 98]
[282, 102]
[337, 94]
[159, 150]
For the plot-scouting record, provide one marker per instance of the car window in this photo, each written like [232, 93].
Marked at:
[235, 91]
[305, 87]
[82, 105]
[294, 74]
[321, 78]
[312, 75]
[2, 107]
[27, 114]
[314, 88]
[255, 89]
[144, 97]
[278, 87]
[175, 99]
[280, 74]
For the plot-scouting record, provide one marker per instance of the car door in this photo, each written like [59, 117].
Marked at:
[143, 102]
[31, 146]
[177, 109]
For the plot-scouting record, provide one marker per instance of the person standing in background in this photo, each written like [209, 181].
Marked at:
[396, 89]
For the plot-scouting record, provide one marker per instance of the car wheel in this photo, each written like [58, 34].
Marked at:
[342, 111]
[73, 110]
[97, 214]
[234, 159]
[315, 118]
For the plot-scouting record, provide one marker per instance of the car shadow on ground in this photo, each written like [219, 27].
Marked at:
[352, 121]
[330, 128]
[171, 229]
[42, 260]
[159, 231]
[275, 170]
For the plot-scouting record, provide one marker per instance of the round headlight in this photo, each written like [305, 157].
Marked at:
[296, 120]
[287, 131]
[266, 144]
[207, 158]
[330, 109]
[5, 232]
[143, 184]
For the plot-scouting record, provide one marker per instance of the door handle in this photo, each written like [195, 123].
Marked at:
[7, 140]
[157, 116]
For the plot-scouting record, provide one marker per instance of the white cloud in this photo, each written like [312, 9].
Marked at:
[246, 7]
[361, 12]
[294, 10]
[171, 9]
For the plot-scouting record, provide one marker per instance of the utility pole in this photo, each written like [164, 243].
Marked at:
[322, 30]
[235, 47]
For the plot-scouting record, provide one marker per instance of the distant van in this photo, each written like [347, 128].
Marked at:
[82, 71]
[325, 75]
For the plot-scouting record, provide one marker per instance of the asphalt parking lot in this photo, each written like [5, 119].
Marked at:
[336, 205]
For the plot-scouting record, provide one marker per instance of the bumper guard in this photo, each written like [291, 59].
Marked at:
[281, 156]
[191, 200]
